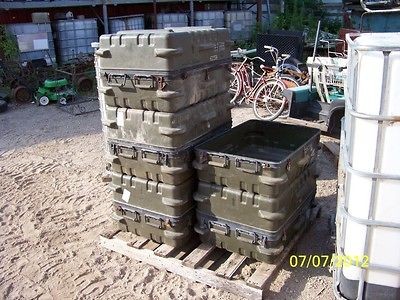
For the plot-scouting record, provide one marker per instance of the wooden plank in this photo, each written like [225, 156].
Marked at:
[151, 245]
[265, 271]
[137, 242]
[186, 250]
[164, 250]
[175, 266]
[213, 258]
[231, 265]
[198, 255]
[110, 231]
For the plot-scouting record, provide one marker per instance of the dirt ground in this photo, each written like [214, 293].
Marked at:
[53, 206]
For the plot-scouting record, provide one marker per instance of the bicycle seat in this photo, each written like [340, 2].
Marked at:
[285, 56]
[266, 68]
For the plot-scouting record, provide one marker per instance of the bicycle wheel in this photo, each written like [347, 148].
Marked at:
[235, 87]
[269, 102]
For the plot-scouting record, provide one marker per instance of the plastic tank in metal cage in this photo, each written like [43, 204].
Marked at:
[74, 37]
[214, 18]
[368, 211]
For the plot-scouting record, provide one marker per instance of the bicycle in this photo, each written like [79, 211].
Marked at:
[244, 75]
[269, 102]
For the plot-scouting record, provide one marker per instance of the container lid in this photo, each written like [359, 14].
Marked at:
[375, 41]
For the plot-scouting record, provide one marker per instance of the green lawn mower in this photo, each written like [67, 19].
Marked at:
[55, 91]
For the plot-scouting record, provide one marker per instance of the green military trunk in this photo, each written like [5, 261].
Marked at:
[172, 200]
[157, 164]
[249, 209]
[162, 52]
[169, 130]
[257, 157]
[250, 241]
[124, 88]
[171, 230]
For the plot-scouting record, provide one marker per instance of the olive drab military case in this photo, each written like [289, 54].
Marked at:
[172, 230]
[258, 157]
[173, 200]
[162, 52]
[168, 130]
[161, 93]
[251, 241]
[256, 189]
[157, 164]
[124, 88]
[265, 213]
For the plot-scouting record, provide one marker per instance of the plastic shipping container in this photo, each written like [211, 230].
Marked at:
[168, 130]
[163, 93]
[157, 164]
[258, 157]
[172, 230]
[162, 52]
[172, 200]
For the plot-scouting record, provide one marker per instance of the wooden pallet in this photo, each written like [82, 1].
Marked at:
[200, 262]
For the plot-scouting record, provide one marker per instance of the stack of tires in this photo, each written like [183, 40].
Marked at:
[161, 93]
[257, 183]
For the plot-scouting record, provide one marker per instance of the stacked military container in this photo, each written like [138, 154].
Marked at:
[161, 93]
[256, 189]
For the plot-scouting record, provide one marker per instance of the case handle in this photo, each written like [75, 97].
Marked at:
[218, 227]
[218, 162]
[125, 152]
[247, 166]
[153, 221]
[115, 76]
[246, 236]
[144, 86]
[148, 156]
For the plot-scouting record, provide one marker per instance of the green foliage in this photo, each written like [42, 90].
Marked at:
[301, 15]
[8, 44]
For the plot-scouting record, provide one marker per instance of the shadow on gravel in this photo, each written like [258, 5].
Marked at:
[26, 125]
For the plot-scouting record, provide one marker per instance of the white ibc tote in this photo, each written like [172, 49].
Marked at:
[368, 214]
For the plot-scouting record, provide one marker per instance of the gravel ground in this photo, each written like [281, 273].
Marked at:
[53, 205]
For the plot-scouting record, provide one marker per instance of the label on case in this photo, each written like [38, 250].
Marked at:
[126, 195]
[120, 118]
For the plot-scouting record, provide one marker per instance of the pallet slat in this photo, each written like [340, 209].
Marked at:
[231, 265]
[164, 250]
[198, 255]
[138, 242]
[173, 265]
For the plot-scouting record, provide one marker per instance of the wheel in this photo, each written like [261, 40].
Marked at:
[44, 100]
[62, 101]
[235, 86]
[3, 106]
[22, 94]
[84, 84]
[269, 101]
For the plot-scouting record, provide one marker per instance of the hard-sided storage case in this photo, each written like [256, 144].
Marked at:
[258, 157]
[264, 213]
[124, 88]
[154, 163]
[173, 200]
[250, 241]
[171, 167]
[171, 230]
[162, 52]
[168, 130]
